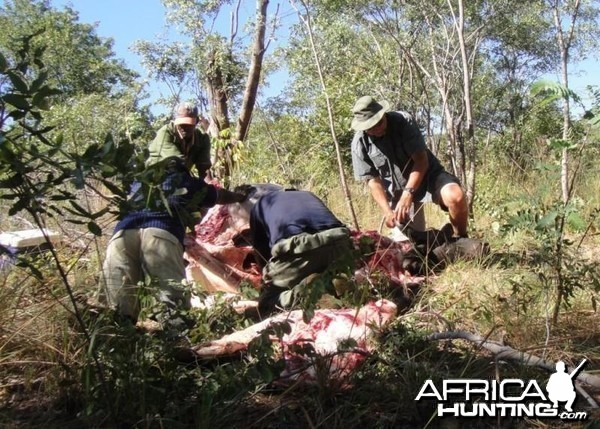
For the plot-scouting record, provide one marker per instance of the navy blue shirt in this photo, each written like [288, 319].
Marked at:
[280, 215]
[183, 194]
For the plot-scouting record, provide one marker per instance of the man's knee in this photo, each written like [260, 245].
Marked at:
[453, 197]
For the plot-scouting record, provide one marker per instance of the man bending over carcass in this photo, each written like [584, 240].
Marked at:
[295, 235]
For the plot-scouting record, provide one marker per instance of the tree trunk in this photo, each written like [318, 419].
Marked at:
[307, 22]
[564, 162]
[219, 118]
[469, 182]
[564, 44]
[217, 94]
[459, 151]
[258, 51]
[223, 163]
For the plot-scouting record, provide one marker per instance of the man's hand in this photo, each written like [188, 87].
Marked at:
[402, 210]
[390, 219]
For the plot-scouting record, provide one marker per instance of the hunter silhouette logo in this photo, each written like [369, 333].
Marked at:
[560, 387]
[510, 397]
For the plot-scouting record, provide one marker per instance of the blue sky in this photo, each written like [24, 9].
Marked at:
[123, 20]
[126, 21]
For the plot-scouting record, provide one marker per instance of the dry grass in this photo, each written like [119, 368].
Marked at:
[486, 300]
[369, 214]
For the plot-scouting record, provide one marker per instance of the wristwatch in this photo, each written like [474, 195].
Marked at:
[410, 190]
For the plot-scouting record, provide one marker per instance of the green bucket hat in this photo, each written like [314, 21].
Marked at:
[367, 112]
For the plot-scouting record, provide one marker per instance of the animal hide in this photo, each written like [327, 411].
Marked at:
[325, 335]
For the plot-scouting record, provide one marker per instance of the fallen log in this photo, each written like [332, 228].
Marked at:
[505, 352]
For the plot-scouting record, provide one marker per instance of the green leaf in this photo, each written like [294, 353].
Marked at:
[36, 115]
[47, 91]
[12, 181]
[552, 91]
[80, 210]
[19, 101]
[18, 206]
[90, 152]
[41, 131]
[3, 63]
[113, 188]
[75, 221]
[560, 144]
[40, 101]
[61, 197]
[108, 144]
[17, 114]
[100, 213]
[307, 314]
[575, 221]
[24, 263]
[78, 178]
[265, 372]
[94, 228]
[548, 220]
[108, 170]
[39, 80]
[593, 116]
[18, 82]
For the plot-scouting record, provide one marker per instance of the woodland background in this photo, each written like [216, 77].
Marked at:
[75, 123]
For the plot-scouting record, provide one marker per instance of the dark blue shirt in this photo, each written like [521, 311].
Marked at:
[280, 215]
[183, 194]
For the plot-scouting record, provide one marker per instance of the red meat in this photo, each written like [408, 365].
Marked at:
[218, 263]
[340, 338]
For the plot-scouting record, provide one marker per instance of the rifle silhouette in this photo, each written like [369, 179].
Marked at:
[576, 370]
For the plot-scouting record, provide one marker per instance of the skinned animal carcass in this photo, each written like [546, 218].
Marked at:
[382, 255]
[342, 337]
[219, 258]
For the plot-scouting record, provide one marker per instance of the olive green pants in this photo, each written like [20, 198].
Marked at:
[296, 258]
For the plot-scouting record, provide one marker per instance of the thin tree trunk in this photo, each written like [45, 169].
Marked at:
[564, 44]
[217, 94]
[345, 189]
[219, 117]
[469, 155]
[564, 162]
[258, 51]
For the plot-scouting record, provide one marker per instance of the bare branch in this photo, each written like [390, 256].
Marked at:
[505, 352]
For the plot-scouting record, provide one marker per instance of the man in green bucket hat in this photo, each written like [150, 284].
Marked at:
[389, 153]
